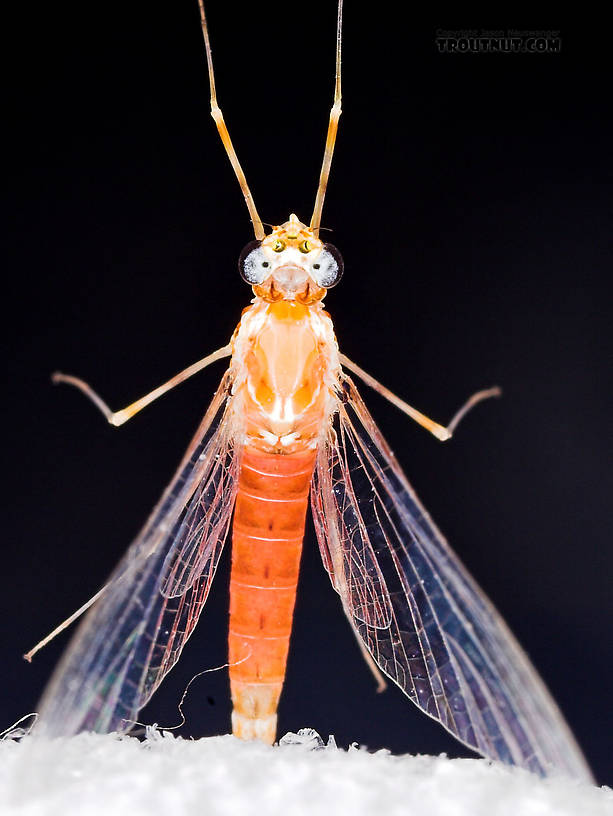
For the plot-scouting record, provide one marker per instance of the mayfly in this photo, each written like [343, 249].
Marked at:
[287, 423]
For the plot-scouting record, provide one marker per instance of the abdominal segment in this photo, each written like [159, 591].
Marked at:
[267, 535]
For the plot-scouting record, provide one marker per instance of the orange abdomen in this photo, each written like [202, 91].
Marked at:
[267, 535]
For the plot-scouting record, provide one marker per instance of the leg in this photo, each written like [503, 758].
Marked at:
[117, 418]
[374, 669]
[335, 115]
[217, 115]
[64, 624]
[439, 431]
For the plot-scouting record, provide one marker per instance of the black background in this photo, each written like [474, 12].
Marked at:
[471, 198]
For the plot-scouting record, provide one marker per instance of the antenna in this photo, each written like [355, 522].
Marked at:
[225, 136]
[335, 115]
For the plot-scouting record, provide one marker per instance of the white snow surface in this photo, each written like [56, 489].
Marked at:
[111, 776]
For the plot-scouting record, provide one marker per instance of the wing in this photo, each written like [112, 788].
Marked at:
[419, 613]
[135, 632]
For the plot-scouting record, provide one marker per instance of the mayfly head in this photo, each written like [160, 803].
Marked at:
[291, 263]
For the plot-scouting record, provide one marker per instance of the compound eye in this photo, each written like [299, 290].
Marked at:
[253, 264]
[328, 269]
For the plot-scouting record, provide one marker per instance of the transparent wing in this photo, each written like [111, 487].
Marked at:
[421, 616]
[135, 632]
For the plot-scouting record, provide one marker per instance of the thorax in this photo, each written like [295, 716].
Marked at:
[286, 360]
